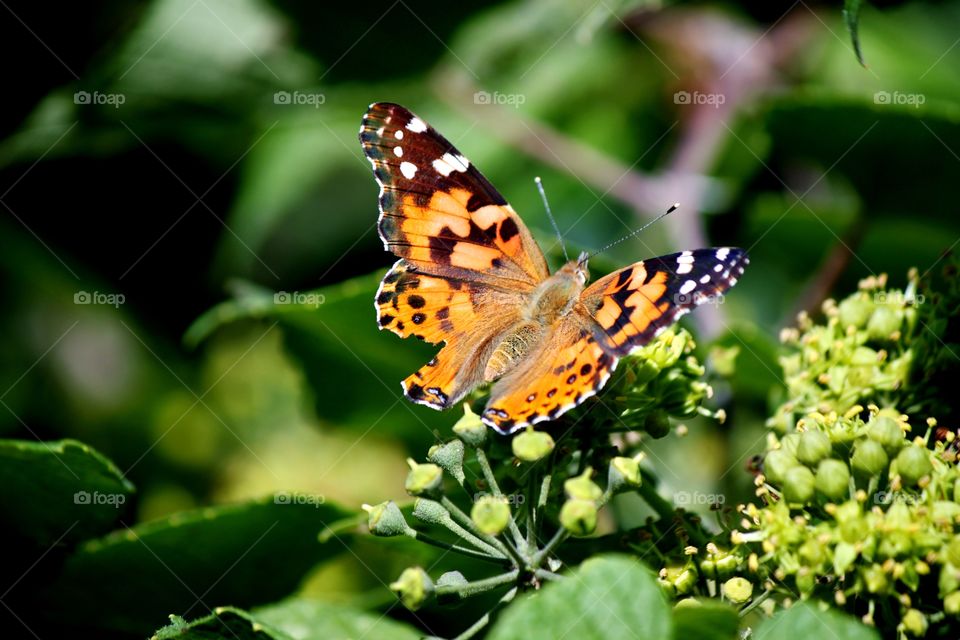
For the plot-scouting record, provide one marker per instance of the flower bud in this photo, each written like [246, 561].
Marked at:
[470, 428]
[579, 517]
[884, 321]
[678, 580]
[869, 458]
[798, 485]
[833, 479]
[386, 520]
[453, 580]
[623, 473]
[531, 445]
[813, 447]
[424, 479]
[582, 487]
[875, 579]
[855, 311]
[449, 456]
[413, 587]
[953, 551]
[430, 511]
[914, 623]
[776, 464]
[887, 432]
[491, 514]
[913, 463]
[951, 604]
[738, 590]
[657, 423]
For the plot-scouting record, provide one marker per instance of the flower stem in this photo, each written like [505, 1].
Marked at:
[485, 539]
[479, 586]
[485, 619]
[466, 551]
[558, 537]
[495, 489]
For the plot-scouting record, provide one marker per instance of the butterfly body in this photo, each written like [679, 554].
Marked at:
[471, 276]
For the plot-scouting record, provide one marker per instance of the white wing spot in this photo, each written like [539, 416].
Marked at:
[687, 287]
[441, 167]
[398, 134]
[684, 267]
[718, 268]
[398, 151]
[722, 253]
[417, 125]
[408, 169]
[705, 279]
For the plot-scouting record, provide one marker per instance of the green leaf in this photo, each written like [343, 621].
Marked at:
[317, 620]
[333, 331]
[806, 621]
[851, 17]
[59, 492]
[245, 554]
[224, 622]
[610, 596]
[705, 620]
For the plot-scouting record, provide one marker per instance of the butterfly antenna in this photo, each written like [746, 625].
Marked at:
[674, 207]
[553, 221]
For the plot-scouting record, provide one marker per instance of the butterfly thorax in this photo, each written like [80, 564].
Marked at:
[550, 302]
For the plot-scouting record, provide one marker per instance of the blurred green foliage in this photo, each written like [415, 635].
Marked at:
[158, 188]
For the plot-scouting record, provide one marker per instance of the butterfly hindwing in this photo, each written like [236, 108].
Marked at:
[567, 368]
[635, 304]
[438, 211]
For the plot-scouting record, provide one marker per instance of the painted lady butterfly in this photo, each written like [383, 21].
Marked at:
[471, 275]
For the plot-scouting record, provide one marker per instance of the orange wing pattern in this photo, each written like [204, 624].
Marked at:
[634, 305]
[437, 209]
[569, 367]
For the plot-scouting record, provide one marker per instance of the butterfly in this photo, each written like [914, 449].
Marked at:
[470, 275]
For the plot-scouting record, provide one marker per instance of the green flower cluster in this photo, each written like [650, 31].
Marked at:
[860, 501]
[513, 503]
[660, 381]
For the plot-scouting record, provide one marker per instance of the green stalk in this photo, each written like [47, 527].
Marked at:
[495, 488]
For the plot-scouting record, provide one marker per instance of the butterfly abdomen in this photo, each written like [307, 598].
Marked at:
[518, 343]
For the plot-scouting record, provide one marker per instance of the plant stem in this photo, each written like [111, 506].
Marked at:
[543, 574]
[473, 553]
[557, 538]
[485, 619]
[479, 586]
[495, 488]
[485, 539]
[666, 509]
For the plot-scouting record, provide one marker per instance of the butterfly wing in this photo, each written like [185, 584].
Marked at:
[634, 305]
[467, 260]
[443, 309]
[615, 316]
[568, 367]
[438, 211]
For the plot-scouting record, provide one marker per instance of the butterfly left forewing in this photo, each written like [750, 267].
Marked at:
[438, 211]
